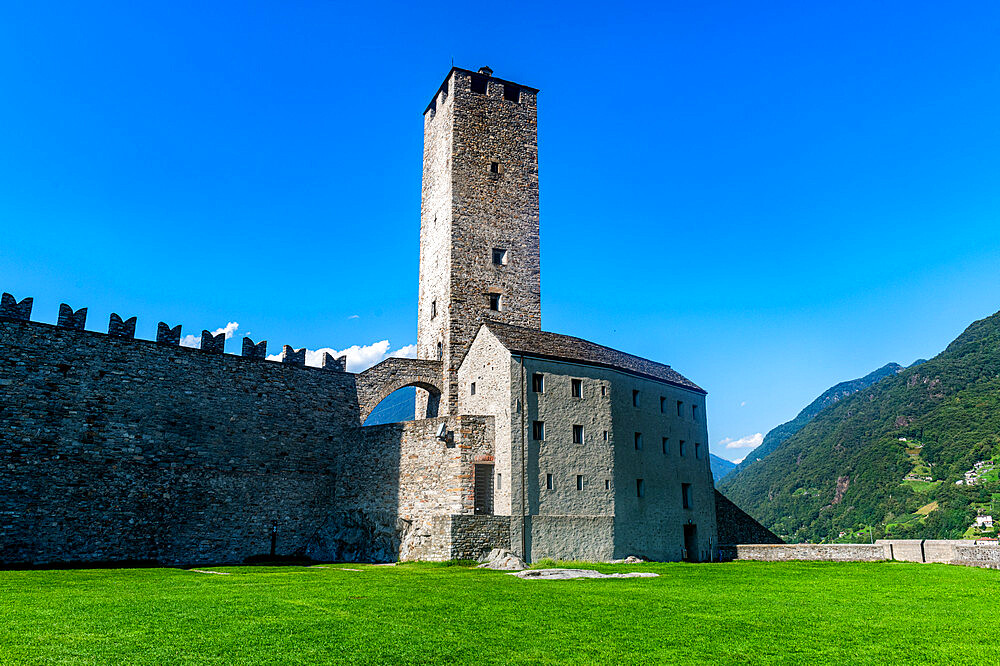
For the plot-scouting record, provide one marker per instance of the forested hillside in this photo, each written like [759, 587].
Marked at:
[913, 455]
[720, 467]
[780, 433]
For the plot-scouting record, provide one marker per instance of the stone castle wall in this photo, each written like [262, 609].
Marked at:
[737, 526]
[114, 449]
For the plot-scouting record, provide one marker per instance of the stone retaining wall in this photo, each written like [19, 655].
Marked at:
[848, 552]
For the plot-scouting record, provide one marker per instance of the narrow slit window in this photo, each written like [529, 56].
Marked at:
[548, 482]
[440, 353]
[472, 388]
[499, 481]
[663, 405]
[495, 167]
[694, 412]
[686, 495]
[680, 408]
[496, 302]
[604, 390]
[538, 382]
[666, 446]
[579, 481]
[538, 430]
[576, 388]
[640, 488]
[635, 398]
[682, 447]
[605, 435]
[638, 441]
[434, 309]
[578, 434]
[607, 484]
[697, 450]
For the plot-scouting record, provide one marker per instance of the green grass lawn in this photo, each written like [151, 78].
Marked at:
[739, 613]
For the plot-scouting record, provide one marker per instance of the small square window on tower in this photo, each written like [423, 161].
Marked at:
[478, 83]
[578, 434]
[499, 256]
[607, 484]
[538, 430]
[576, 388]
[548, 482]
[538, 382]
[472, 388]
[495, 168]
[511, 92]
[579, 481]
[496, 302]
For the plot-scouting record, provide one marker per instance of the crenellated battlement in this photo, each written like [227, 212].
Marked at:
[75, 320]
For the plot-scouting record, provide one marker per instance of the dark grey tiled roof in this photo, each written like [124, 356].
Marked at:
[567, 348]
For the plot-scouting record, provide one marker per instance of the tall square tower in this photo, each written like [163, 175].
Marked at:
[479, 248]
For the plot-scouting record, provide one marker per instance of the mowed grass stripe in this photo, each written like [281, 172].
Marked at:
[740, 613]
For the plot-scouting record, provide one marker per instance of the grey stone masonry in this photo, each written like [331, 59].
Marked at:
[293, 356]
[338, 364]
[69, 319]
[12, 310]
[479, 242]
[168, 336]
[121, 329]
[256, 351]
[119, 449]
[213, 344]
[392, 374]
[737, 526]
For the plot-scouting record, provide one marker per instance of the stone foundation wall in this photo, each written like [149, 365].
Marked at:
[835, 552]
[472, 536]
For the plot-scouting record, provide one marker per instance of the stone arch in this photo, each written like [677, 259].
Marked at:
[377, 382]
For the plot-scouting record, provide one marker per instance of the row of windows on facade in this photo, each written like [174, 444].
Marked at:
[576, 391]
[640, 487]
[538, 433]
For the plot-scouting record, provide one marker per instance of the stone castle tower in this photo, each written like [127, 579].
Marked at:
[479, 248]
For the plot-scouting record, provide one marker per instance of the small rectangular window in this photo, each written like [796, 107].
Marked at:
[607, 484]
[478, 84]
[472, 388]
[604, 390]
[499, 256]
[666, 446]
[499, 481]
[579, 481]
[576, 388]
[578, 434]
[640, 488]
[538, 430]
[682, 447]
[548, 482]
[680, 408]
[635, 398]
[697, 450]
[686, 495]
[605, 435]
[440, 353]
[538, 382]
[511, 92]
[434, 309]
[496, 302]
[494, 167]
[694, 412]
[638, 441]
[663, 405]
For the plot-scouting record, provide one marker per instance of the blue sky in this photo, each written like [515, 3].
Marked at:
[771, 197]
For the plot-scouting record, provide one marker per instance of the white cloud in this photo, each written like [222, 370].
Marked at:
[195, 340]
[743, 404]
[359, 357]
[354, 317]
[748, 442]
